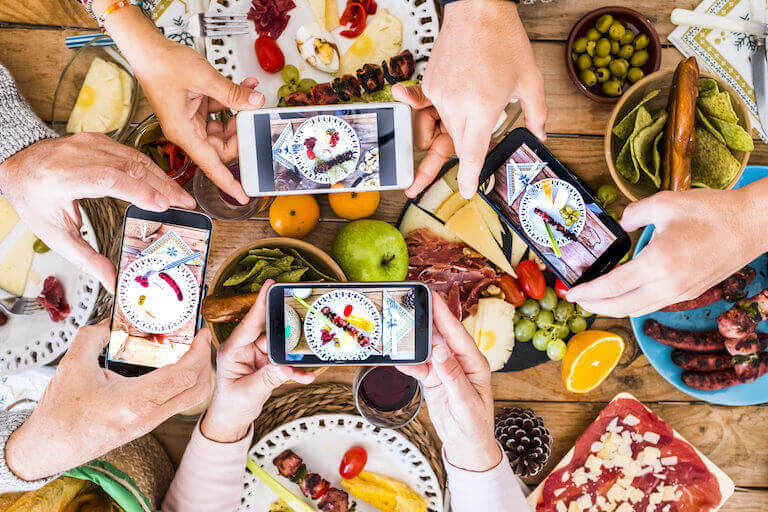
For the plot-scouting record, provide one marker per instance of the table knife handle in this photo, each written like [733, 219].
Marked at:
[700, 19]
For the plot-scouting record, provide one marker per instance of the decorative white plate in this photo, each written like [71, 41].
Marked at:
[317, 127]
[35, 340]
[337, 300]
[159, 311]
[321, 442]
[533, 225]
[234, 56]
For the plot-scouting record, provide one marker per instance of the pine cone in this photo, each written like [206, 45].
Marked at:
[526, 440]
[409, 300]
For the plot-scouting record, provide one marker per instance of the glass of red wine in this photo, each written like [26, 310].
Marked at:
[386, 397]
[220, 205]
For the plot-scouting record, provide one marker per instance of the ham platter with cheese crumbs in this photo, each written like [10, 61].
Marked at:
[630, 460]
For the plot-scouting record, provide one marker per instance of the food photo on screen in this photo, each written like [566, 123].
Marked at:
[561, 223]
[157, 298]
[349, 324]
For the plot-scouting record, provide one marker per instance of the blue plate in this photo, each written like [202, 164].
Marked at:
[704, 319]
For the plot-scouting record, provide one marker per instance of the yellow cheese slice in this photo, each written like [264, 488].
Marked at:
[469, 226]
[494, 331]
[416, 218]
[450, 206]
[498, 231]
[435, 196]
[451, 178]
[102, 103]
[14, 267]
[8, 218]
[331, 15]
[318, 8]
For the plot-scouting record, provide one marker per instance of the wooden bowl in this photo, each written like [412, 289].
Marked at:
[633, 20]
[315, 256]
[660, 80]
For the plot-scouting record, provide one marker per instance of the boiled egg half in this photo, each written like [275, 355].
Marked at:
[315, 46]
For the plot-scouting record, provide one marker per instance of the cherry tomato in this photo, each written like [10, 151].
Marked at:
[531, 279]
[269, 54]
[512, 292]
[561, 289]
[353, 462]
[354, 15]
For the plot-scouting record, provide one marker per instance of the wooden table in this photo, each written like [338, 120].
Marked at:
[32, 45]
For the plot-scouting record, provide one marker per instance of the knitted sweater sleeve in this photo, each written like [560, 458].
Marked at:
[19, 126]
[9, 422]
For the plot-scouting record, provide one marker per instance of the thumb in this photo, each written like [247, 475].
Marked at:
[262, 383]
[411, 95]
[642, 213]
[232, 95]
[88, 344]
[534, 108]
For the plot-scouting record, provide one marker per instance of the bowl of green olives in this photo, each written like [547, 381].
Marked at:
[610, 49]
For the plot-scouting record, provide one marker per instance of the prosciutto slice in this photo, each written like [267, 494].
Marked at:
[53, 299]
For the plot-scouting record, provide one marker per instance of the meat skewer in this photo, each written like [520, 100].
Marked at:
[742, 319]
[330, 499]
[552, 222]
[686, 340]
[731, 289]
[748, 345]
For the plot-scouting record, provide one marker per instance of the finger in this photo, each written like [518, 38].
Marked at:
[108, 180]
[637, 302]
[72, 247]
[231, 95]
[418, 371]
[411, 95]
[651, 210]
[301, 376]
[534, 107]
[452, 331]
[452, 376]
[209, 161]
[471, 148]
[619, 281]
[225, 146]
[262, 383]
[88, 344]
[251, 326]
[439, 153]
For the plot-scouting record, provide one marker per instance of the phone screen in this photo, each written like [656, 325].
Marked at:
[156, 307]
[360, 324]
[349, 148]
[555, 215]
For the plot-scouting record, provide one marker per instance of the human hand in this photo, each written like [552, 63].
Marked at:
[457, 389]
[701, 237]
[245, 378]
[87, 411]
[480, 61]
[430, 134]
[44, 181]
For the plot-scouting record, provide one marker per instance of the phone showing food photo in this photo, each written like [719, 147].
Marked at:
[551, 209]
[325, 148]
[157, 296]
[360, 324]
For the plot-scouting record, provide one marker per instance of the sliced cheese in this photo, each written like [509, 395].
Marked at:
[435, 195]
[499, 231]
[451, 205]
[468, 225]
[14, 267]
[318, 8]
[451, 178]
[8, 218]
[104, 100]
[331, 15]
[493, 331]
[416, 218]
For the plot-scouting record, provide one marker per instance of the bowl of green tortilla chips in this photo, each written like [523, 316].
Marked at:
[634, 139]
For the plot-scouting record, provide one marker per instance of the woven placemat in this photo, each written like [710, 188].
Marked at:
[335, 398]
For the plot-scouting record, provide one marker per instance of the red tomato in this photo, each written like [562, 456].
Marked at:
[354, 15]
[561, 289]
[353, 462]
[512, 292]
[531, 279]
[270, 56]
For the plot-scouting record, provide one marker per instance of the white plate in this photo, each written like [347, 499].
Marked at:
[35, 340]
[349, 350]
[234, 56]
[160, 311]
[317, 127]
[534, 225]
[322, 440]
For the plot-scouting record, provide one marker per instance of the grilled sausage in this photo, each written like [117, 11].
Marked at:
[734, 287]
[679, 137]
[702, 361]
[748, 345]
[686, 340]
[742, 373]
[741, 320]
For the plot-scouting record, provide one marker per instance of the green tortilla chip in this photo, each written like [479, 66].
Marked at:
[292, 276]
[624, 128]
[713, 165]
[244, 276]
[643, 120]
[718, 105]
[643, 144]
[266, 251]
[702, 120]
[707, 87]
[624, 165]
[734, 136]
[657, 153]
[313, 274]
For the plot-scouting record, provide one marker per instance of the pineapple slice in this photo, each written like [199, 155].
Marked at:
[104, 102]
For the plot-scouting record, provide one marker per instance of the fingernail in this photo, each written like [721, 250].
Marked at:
[465, 192]
[440, 353]
[256, 98]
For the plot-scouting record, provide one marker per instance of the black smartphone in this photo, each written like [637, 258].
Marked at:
[161, 271]
[360, 324]
[552, 209]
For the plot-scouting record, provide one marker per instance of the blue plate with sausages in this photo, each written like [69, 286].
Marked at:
[704, 319]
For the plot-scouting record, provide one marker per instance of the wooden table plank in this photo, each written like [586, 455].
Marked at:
[66, 13]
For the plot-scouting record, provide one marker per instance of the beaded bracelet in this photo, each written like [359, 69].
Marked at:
[119, 5]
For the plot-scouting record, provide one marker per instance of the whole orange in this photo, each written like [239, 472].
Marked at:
[353, 205]
[294, 216]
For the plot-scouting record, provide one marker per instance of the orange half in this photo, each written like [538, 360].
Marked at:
[590, 358]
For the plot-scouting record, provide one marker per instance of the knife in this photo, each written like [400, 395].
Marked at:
[757, 12]
[688, 18]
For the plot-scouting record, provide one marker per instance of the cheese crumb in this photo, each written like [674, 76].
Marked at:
[631, 420]
[668, 493]
[635, 495]
[651, 437]
[669, 461]
[558, 492]
[625, 507]
[650, 455]
[561, 507]
[566, 476]
[596, 446]
[584, 501]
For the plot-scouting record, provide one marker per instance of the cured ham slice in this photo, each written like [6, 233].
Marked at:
[53, 299]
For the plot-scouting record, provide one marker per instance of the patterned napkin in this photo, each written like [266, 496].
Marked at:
[725, 54]
[173, 17]
[172, 247]
[398, 321]
[23, 390]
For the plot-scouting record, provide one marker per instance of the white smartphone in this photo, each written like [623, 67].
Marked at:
[325, 148]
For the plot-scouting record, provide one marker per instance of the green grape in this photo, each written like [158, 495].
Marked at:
[289, 73]
[582, 312]
[524, 330]
[556, 350]
[530, 308]
[284, 91]
[544, 319]
[549, 300]
[517, 316]
[561, 331]
[577, 324]
[540, 340]
[39, 247]
[306, 84]
[563, 310]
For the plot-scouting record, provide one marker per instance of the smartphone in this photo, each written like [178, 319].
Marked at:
[160, 277]
[360, 324]
[325, 148]
[552, 209]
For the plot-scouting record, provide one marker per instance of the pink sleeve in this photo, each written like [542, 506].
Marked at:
[495, 489]
[210, 476]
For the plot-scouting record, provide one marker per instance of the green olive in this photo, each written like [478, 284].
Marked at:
[284, 91]
[626, 51]
[592, 34]
[39, 247]
[610, 209]
[580, 44]
[617, 31]
[639, 59]
[641, 42]
[635, 74]
[588, 77]
[289, 73]
[603, 47]
[306, 84]
[603, 74]
[607, 194]
[604, 23]
[591, 48]
[601, 62]
[574, 56]
[615, 47]
[612, 88]
[618, 68]
[584, 62]
[628, 37]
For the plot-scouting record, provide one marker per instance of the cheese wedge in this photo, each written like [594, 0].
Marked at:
[451, 177]
[14, 267]
[500, 231]
[331, 15]
[318, 8]
[8, 218]
[469, 226]
[416, 218]
[494, 331]
[435, 196]
[104, 101]
[450, 206]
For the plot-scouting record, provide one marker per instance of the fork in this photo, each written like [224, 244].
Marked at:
[20, 306]
[218, 25]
